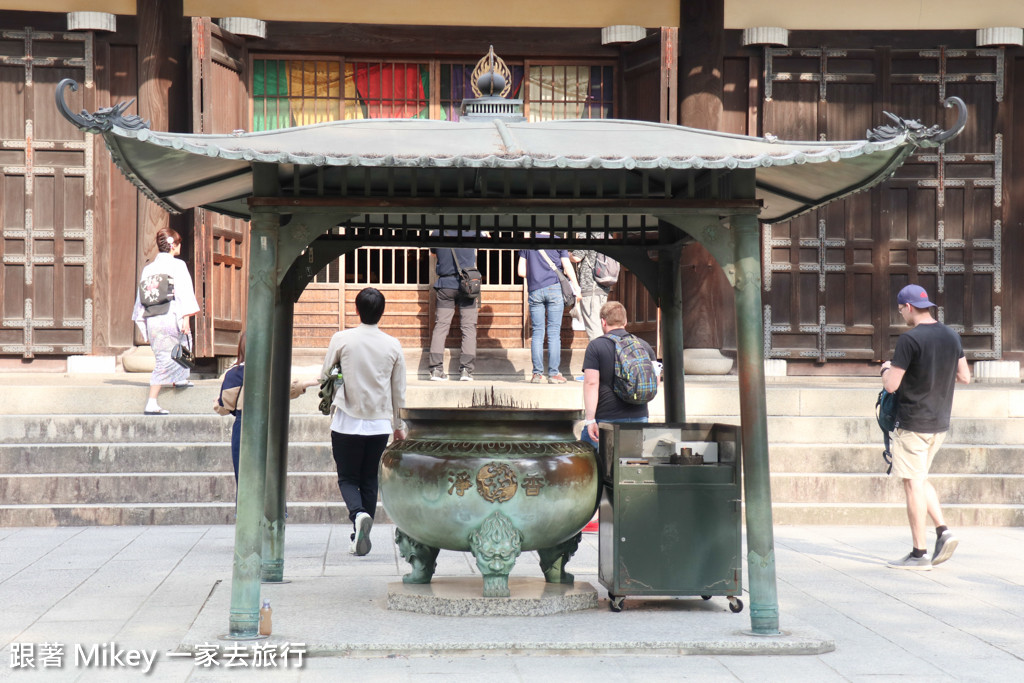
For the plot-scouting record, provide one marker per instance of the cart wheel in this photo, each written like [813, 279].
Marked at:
[616, 602]
[705, 597]
[735, 605]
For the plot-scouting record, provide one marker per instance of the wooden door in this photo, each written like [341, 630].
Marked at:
[220, 104]
[648, 82]
[46, 196]
[831, 277]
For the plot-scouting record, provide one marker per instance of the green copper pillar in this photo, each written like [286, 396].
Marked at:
[670, 300]
[277, 439]
[252, 467]
[764, 601]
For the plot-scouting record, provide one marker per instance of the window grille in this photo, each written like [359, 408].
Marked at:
[295, 92]
[569, 91]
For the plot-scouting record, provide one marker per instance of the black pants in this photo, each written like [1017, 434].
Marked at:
[357, 458]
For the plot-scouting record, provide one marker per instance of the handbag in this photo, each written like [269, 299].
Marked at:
[568, 296]
[181, 353]
[470, 279]
[328, 385]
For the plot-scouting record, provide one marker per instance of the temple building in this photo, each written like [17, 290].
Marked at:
[76, 233]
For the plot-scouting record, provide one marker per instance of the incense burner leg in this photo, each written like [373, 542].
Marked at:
[554, 559]
[496, 545]
[421, 557]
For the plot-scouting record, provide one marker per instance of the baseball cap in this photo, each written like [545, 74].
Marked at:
[915, 296]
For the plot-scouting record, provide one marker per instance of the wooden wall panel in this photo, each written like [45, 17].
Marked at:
[936, 223]
[47, 180]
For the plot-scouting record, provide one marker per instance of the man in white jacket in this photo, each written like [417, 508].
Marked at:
[365, 411]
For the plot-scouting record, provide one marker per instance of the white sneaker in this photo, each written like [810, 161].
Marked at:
[364, 523]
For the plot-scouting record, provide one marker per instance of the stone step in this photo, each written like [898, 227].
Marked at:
[893, 514]
[165, 429]
[951, 459]
[329, 512]
[864, 430]
[125, 394]
[80, 452]
[989, 489]
[314, 456]
[113, 458]
[209, 427]
[151, 487]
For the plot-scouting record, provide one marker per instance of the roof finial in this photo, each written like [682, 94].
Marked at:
[491, 82]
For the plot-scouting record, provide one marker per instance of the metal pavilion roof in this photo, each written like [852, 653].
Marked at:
[609, 159]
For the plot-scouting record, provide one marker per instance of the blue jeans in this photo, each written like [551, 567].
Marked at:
[546, 301]
[585, 437]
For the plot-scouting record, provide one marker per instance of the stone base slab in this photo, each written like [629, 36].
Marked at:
[315, 611]
[462, 597]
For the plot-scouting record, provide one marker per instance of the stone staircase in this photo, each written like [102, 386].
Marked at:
[75, 449]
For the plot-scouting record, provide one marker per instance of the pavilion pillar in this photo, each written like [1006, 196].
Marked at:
[670, 301]
[764, 602]
[252, 467]
[277, 439]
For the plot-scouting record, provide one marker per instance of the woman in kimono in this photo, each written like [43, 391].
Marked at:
[164, 302]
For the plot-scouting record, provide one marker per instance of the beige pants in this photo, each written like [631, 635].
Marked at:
[913, 452]
[590, 309]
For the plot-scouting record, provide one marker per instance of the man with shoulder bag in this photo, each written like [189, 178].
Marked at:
[547, 300]
[457, 285]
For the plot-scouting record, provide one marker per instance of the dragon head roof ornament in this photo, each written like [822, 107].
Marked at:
[104, 119]
[917, 132]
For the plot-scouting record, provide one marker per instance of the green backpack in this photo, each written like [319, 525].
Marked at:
[886, 409]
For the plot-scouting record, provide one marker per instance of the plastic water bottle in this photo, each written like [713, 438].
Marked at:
[265, 615]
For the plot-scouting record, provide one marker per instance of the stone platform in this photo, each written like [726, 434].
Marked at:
[338, 604]
[461, 597]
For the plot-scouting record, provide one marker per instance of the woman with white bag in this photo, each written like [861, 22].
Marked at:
[164, 302]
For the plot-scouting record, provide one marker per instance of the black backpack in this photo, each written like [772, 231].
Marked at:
[886, 408]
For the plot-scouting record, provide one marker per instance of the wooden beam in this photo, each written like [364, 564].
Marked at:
[505, 205]
[378, 40]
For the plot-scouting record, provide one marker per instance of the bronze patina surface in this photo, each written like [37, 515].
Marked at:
[493, 481]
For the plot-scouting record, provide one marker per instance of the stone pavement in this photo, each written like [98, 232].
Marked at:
[165, 590]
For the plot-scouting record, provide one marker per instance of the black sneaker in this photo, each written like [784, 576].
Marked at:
[437, 375]
[944, 547]
[908, 561]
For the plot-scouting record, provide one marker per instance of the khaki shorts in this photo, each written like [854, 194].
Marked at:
[913, 452]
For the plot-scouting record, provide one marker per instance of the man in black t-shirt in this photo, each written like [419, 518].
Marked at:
[599, 399]
[928, 361]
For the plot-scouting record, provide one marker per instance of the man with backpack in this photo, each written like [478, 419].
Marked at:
[619, 376]
[595, 283]
[927, 363]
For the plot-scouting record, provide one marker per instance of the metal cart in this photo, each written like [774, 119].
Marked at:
[670, 511]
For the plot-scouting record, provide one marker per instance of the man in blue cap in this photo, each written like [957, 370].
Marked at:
[928, 362]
